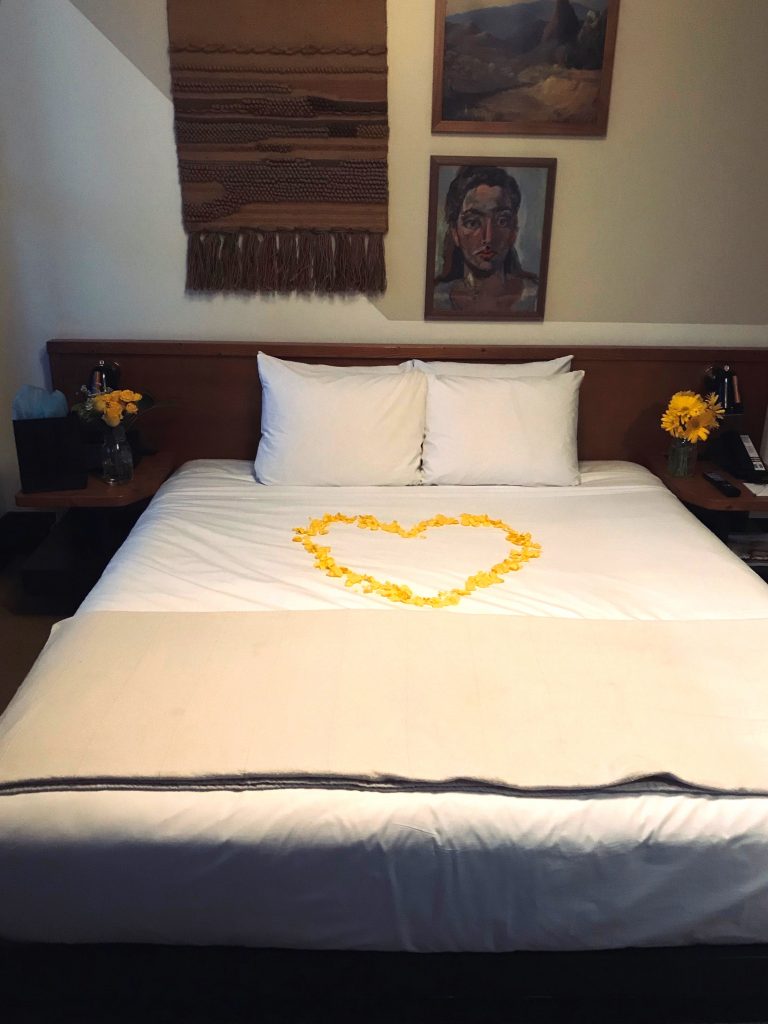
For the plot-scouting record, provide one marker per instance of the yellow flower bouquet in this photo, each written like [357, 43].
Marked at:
[112, 407]
[113, 411]
[689, 418]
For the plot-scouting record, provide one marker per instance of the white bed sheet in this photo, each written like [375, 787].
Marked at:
[414, 871]
[619, 546]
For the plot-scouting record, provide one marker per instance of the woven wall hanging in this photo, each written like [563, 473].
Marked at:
[281, 134]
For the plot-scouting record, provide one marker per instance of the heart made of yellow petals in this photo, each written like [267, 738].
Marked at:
[522, 548]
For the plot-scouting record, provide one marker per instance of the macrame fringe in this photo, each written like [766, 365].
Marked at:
[324, 269]
[231, 263]
[287, 263]
[376, 267]
[307, 262]
[266, 265]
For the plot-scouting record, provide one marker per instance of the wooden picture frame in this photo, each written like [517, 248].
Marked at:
[515, 67]
[489, 228]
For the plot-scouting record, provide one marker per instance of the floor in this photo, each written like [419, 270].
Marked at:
[384, 1011]
[23, 632]
[47, 565]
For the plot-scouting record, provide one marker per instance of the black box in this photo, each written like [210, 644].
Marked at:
[52, 456]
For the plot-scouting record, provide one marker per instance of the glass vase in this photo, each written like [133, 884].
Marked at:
[116, 456]
[681, 458]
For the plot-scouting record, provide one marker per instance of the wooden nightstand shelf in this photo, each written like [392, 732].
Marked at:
[728, 518]
[97, 519]
[695, 490]
[148, 475]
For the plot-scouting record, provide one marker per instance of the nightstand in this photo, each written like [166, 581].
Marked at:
[147, 477]
[733, 520]
[96, 520]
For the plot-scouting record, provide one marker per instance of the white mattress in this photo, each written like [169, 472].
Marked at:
[416, 871]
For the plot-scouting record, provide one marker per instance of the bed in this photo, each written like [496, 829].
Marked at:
[430, 856]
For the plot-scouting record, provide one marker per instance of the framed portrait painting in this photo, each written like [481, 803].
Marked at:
[523, 67]
[490, 222]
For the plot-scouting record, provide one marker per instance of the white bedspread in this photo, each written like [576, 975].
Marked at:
[419, 871]
[482, 704]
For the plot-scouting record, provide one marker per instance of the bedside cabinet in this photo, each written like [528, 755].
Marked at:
[736, 521]
[93, 523]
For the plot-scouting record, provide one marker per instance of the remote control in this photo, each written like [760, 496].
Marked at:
[723, 485]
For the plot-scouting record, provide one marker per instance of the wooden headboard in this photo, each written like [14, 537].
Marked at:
[209, 396]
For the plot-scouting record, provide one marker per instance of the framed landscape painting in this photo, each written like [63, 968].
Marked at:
[523, 67]
[490, 222]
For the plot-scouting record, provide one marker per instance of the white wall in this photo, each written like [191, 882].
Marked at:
[660, 230]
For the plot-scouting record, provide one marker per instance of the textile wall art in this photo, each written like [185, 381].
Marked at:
[280, 113]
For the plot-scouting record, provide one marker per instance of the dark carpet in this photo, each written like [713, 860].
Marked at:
[386, 1011]
[127, 984]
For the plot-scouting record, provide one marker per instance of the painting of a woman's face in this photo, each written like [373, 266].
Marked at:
[488, 237]
[486, 228]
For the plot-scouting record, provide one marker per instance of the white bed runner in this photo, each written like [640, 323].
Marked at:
[414, 699]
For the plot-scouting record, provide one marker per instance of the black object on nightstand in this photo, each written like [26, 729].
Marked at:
[719, 482]
[50, 453]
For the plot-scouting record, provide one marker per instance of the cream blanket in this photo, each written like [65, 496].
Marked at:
[395, 699]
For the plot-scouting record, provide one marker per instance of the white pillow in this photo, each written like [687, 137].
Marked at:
[545, 368]
[339, 429]
[484, 431]
[318, 369]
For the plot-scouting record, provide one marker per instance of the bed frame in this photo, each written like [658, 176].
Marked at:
[209, 406]
[209, 396]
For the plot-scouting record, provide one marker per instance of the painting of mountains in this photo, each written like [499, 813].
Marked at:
[523, 67]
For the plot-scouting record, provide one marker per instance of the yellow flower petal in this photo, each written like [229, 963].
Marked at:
[523, 549]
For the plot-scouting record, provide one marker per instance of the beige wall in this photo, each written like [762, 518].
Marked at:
[27, 307]
[665, 220]
[660, 230]
[7, 453]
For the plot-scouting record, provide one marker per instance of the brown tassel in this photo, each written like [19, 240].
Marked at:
[325, 262]
[194, 282]
[213, 278]
[305, 262]
[357, 263]
[231, 262]
[287, 262]
[249, 250]
[265, 277]
[344, 273]
[203, 263]
[376, 268]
